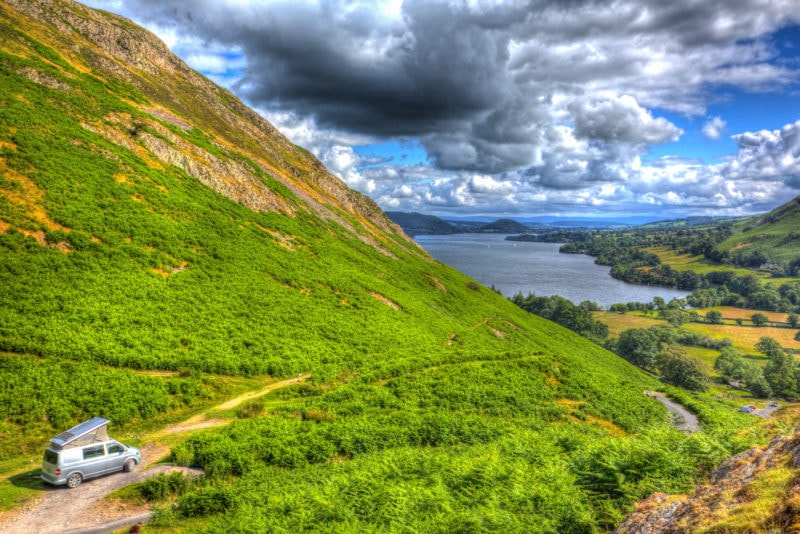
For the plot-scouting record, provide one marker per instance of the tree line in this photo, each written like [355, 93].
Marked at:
[658, 349]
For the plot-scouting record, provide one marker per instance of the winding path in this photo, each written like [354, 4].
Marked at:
[682, 418]
[82, 510]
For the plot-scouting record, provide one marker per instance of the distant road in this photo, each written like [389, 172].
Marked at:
[682, 418]
[765, 412]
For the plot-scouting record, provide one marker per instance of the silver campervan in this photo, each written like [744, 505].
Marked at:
[86, 451]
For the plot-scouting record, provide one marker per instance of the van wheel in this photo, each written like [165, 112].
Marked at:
[74, 480]
[129, 466]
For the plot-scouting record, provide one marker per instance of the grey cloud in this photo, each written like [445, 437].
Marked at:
[473, 80]
[767, 155]
[620, 120]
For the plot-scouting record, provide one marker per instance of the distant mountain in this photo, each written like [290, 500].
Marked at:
[586, 222]
[419, 224]
[689, 221]
[773, 237]
[504, 226]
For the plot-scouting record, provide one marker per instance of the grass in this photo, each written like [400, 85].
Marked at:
[687, 262]
[774, 234]
[729, 313]
[744, 337]
[757, 504]
[619, 322]
[700, 265]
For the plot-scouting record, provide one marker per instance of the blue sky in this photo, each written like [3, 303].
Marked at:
[518, 108]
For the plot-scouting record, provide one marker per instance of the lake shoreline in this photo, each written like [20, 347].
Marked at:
[526, 267]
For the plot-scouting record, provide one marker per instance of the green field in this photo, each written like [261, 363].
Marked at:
[774, 234]
[744, 337]
[687, 262]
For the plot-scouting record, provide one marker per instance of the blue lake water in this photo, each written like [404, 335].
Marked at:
[514, 266]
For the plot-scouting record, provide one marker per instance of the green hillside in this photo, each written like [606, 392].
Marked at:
[773, 237]
[160, 242]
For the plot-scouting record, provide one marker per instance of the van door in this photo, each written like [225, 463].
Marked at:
[116, 456]
[94, 460]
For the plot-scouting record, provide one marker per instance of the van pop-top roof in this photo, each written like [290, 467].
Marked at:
[93, 430]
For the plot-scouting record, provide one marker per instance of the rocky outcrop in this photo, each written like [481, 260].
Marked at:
[733, 499]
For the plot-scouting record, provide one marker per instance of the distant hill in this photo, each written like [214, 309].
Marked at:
[773, 237]
[419, 224]
[504, 226]
[690, 222]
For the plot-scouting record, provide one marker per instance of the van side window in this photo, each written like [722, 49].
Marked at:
[114, 448]
[93, 452]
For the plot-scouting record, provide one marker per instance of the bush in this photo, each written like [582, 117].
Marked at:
[164, 486]
[182, 455]
[680, 369]
[210, 500]
[254, 408]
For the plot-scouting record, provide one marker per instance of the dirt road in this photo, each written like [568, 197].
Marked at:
[77, 510]
[82, 510]
[682, 418]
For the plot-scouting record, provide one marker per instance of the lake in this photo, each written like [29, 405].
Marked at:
[539, 268]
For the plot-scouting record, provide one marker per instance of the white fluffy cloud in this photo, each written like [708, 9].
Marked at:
[713, 128]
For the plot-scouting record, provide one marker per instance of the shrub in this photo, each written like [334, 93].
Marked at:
[254, 408]
[210, 500]
[164, 486]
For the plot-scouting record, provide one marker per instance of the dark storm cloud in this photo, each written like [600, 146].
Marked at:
[473, 80]
[517, 103]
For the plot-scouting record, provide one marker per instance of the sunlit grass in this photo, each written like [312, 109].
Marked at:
[756, 504]
[698, 264]
[743, 337]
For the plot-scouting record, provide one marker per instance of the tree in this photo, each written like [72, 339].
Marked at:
[714, 317]
[745, 285]
[792, 319]
[797, 336]
[768, 346]
[759, 319]
[732, 365]
[779, 371]
[639, 346]
[680, 369]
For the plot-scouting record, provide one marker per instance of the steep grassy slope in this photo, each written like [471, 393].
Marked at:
[149, 221]
[774, 234]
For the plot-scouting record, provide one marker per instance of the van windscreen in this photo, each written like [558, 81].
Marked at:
[51, 457]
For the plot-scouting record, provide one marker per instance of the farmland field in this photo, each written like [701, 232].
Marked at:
[688, 262]
[744, 337]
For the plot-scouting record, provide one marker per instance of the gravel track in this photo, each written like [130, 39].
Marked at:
[63, 510]
[682, 418]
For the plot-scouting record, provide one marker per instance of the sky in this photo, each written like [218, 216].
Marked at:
[573, 108]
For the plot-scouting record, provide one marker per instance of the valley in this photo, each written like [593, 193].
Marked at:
[170, 261]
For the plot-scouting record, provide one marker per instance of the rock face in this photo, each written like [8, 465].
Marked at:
[274, 175]
[757, 490]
